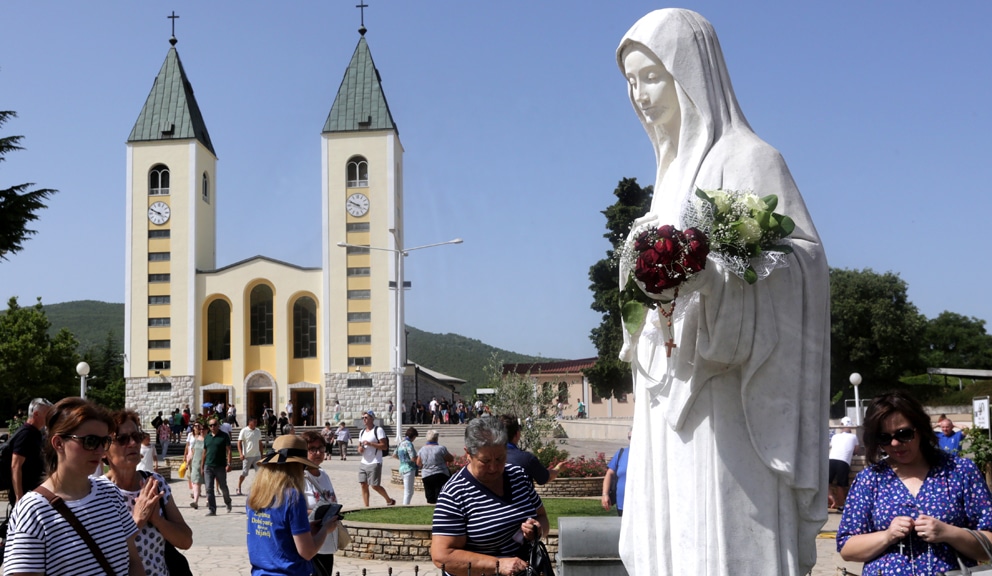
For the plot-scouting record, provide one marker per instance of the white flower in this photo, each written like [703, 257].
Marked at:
[749, 229]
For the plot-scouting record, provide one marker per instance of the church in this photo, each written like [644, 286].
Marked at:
[262, 332]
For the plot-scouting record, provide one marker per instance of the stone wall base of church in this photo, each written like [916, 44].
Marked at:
[148, 396]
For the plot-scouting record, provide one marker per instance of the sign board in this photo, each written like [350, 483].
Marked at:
[481, 391]
[980, 411]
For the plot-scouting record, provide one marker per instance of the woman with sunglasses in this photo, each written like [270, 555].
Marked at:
[148, 496]
[43, 541]
[910, 510]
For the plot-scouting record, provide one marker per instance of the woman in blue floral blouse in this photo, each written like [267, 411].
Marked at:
[909, 511]
[408, 465]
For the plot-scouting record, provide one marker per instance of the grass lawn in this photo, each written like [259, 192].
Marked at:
[423, 514]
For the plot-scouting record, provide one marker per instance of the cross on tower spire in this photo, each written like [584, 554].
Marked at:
[362, 6]
[173, 18]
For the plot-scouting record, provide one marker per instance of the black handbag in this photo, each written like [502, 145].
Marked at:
[539, 561]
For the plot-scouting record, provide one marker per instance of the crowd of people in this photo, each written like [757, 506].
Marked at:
[93, 503]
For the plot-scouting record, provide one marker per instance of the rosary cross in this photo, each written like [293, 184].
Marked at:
[669, 346]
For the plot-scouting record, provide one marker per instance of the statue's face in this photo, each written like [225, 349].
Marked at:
[651, 85]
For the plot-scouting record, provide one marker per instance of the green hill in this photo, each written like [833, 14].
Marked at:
[450, 354]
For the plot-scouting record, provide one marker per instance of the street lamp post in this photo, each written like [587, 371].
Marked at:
[83, 369]
[400, 329]
[856, 381]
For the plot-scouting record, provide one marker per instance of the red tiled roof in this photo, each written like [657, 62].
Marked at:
[559, 367]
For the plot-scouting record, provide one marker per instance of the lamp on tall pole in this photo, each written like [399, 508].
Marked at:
[400, 328]
[856, 381]
[83, 369]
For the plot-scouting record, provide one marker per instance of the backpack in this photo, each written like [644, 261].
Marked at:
[385, 449]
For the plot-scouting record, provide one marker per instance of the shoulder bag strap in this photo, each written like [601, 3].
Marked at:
[619, 456]
[61, 507]
[984, 541]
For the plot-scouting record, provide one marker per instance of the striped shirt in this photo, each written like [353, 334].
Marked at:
[489, 522]
[40, 540]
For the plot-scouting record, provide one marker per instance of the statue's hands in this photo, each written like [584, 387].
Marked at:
[900, 527]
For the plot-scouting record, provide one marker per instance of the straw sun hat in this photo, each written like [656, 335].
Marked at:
[288, 449]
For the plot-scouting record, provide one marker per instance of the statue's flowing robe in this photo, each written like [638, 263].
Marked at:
[728, 456]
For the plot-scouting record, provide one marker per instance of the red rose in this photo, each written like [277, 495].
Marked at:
[644, 241]
[697, 242]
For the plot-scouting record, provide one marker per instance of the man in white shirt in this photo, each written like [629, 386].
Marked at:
[372, 443]
[249, 446]
[843, 445]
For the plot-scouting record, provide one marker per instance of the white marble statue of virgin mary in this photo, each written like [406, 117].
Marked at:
[727, 466]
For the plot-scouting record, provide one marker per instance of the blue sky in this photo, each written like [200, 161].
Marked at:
[517, 128]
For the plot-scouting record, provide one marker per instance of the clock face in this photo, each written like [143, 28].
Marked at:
[357, 205]
[159, 213]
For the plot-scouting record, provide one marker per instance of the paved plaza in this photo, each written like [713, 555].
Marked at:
[219, 541]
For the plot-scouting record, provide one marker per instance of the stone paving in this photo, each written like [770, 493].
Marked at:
[219, 541]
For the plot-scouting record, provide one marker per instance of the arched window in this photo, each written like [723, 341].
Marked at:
[305, 328]
[260, 312]
[219, 330]
[206, 188]
[358, 172]
[158, 180]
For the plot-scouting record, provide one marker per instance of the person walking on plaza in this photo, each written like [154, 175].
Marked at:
[289, 412]
[26, 463]
[328, 435]
[843, 446]
[216, 465]
[164, 434]
[615, 481]
[250, 448]
[514, 455]
[948, 439]
[343, 438]
[320, 491]
[373, 443]
[194, 463]
[433, 460]
[407, 455]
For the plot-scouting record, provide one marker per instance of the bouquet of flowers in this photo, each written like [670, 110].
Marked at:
[738, 229]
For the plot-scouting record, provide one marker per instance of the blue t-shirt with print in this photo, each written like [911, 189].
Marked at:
[271, 548]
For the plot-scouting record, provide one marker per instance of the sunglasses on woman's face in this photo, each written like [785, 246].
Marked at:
[91, 441]
[903, 435]
[125, 439]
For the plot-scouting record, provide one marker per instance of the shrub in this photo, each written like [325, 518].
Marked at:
[583, 467]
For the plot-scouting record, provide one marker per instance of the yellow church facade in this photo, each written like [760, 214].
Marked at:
[261, 332]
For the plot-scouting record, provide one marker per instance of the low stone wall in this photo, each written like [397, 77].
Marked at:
[559, 488]
[571, 488]
[402, 542]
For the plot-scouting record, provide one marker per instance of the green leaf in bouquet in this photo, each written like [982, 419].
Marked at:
[787, 225]
[700, 193]
[771, 201]
[750, 276]
[764, 219]
[633, 313]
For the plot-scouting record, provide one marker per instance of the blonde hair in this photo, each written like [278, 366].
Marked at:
[272, 482]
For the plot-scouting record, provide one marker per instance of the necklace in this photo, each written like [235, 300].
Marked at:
[670, 344]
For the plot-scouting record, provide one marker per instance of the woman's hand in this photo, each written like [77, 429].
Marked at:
[147, 503]
[531, 529]
[510, 566]
[900, 527]
[929, 529]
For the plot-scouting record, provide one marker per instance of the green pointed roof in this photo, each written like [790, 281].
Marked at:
[170, 112]
[360, 103]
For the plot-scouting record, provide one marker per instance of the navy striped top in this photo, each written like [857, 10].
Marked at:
[489, 522]
[40, 539]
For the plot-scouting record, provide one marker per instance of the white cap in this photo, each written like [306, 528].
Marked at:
[845, 421]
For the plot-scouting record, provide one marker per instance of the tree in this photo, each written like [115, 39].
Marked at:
[875, 330]
[33, 364]
[955, 341]
[611, 376]
[18, 206]
[106, 386]
[520, 395]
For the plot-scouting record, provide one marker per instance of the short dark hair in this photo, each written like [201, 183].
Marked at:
[411, 432]
[512, 425]
[898, 402]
